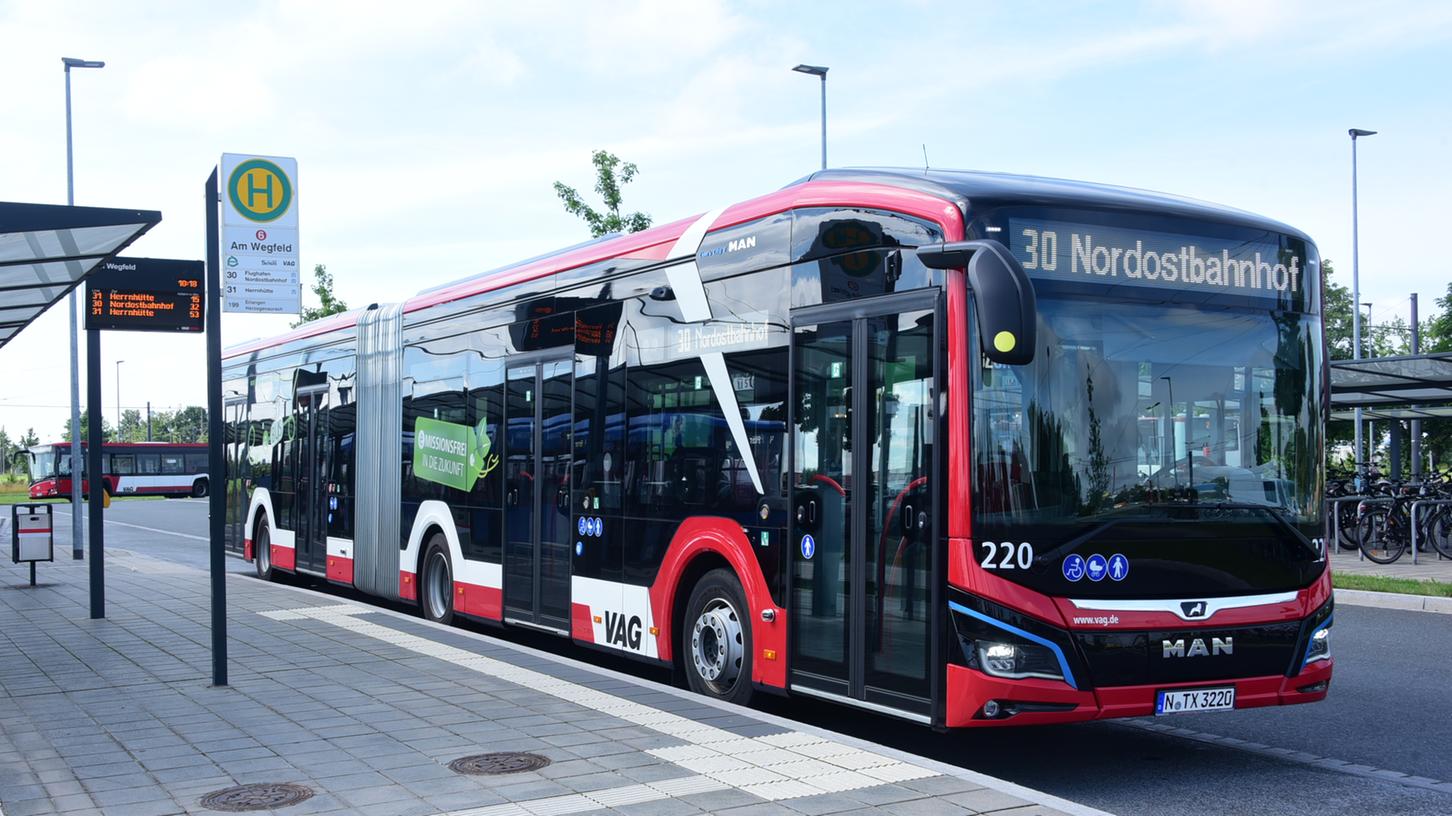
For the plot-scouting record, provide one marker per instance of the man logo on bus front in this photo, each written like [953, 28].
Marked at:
[1193, 609]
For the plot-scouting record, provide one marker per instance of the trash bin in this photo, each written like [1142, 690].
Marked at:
[32, 535]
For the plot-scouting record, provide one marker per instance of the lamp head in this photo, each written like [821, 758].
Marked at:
[72, 62]
[1359, 132]
[814, 70]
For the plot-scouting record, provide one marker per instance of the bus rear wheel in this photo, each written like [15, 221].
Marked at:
[199, 488]
[436, 583]
[262, 551]
[716, 639]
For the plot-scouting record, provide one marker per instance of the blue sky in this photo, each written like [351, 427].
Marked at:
[428, 133]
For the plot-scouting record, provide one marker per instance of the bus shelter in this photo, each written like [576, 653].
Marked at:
[46, 251]
[1411, 387]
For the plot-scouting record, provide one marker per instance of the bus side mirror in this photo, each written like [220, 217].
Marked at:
[1003, 296]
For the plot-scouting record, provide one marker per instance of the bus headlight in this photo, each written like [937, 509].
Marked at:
[1016, 661]
[1319, 647]
[1002, 643]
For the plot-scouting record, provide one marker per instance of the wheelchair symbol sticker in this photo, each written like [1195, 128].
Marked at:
[1074, 567]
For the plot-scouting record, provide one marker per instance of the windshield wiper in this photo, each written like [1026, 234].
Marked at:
[1276, 513]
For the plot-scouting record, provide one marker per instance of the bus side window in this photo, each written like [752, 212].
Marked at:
[172, 464]
[123, 464]
[148, 464]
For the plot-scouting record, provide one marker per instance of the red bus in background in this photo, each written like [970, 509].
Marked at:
[128, 468]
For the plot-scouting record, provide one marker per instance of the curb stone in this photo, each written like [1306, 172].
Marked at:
[1394, 600]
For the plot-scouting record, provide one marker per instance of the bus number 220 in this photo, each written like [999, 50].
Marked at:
[1004, 555]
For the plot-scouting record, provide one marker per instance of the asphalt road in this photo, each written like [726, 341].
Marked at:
[1380, 744]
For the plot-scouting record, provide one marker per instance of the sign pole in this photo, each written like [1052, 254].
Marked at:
[216, 468]
[95, 478]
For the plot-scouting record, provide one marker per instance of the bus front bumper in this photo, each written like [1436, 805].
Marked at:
[973, 694]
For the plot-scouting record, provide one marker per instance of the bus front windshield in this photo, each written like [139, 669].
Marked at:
[1133, 406]
[42, 466]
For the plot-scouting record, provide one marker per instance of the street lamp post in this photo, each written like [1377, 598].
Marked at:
[819, 71]
[1356, 295]
[77, 536]
[118, 400]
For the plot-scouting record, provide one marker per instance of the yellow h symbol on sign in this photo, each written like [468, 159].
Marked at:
[259, 190]
[266, 188]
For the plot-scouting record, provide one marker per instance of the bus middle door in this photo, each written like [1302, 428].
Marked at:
[311, 508]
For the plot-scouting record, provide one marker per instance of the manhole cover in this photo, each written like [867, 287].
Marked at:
[261, 796]
[503, 762]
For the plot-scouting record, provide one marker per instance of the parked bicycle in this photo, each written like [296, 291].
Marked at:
[1384, 521]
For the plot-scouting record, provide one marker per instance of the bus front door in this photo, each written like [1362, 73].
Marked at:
[311, 540]
[862, 545]
[537, 416]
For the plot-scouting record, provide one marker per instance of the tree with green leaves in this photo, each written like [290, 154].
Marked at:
[107, 431]
[610, 175]
[328, 304]
[7, 452]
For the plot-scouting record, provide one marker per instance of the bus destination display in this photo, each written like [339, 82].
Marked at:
[146, 294]
[1104, 254]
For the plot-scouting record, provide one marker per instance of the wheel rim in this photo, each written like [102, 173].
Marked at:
[264, 554]
[437, 589]
[717, 645]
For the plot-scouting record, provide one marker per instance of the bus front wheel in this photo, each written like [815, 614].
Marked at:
[716, 639]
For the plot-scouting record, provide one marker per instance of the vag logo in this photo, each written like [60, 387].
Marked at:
[1218, 646]
[622, 631]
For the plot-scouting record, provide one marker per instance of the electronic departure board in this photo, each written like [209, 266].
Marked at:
[146, 294]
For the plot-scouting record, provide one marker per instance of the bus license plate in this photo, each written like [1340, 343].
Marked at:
[1200, 699]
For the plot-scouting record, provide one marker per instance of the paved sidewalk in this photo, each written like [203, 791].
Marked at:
[1430, 566]
[367, 708]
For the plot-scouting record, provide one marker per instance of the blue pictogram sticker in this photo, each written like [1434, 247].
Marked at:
[1097, 567]
[1118, 567]
[584, 526]
[809, 546]
[1074, 567]
[579, 548]
[599, 526]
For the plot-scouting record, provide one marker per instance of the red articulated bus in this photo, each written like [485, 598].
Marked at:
[963, 448]
[128, 468]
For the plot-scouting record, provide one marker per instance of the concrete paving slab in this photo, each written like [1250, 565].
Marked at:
[367, 707]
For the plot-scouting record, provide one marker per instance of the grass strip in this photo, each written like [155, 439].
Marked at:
[1380, 583]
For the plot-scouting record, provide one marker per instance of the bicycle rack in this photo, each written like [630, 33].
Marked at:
[1336, 520]
[1332, 504]
[1417, 505]
[1335, 544]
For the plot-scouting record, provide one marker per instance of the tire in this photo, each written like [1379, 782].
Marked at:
[1347, 526]
[1440, 532]
[262, 552]
[436, 582]
[1379, 541]
[715, 639]
[199, 488]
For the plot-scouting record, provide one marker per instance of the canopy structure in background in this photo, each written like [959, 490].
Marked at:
[46, 250]
[1384, 387]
